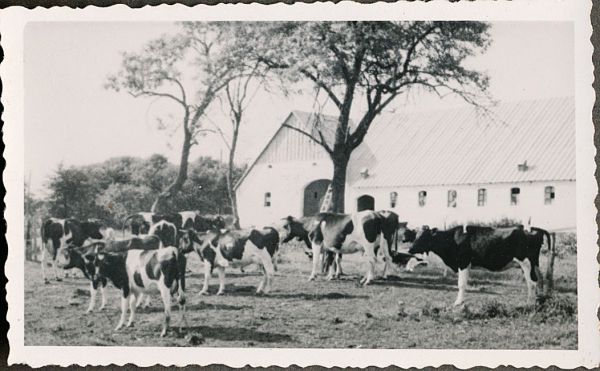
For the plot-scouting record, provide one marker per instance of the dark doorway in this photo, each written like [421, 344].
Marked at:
[365, 202]
[313, 196]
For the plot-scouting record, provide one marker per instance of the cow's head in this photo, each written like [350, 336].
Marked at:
[91, 228]
[292, 229]
[166, 231]
[66, 256]
[186, 239]
[424, 241]
[401, 259]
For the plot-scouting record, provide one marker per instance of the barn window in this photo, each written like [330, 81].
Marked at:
[268, 199]
[393, 199]
[514, 195]
[422, 198]
[481, 197]
[451, 198]
[549, 195]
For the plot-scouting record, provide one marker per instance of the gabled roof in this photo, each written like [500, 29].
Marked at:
[305, 121]
[460, 146]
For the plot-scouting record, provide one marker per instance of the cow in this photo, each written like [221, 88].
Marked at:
[140, 222]
[165, 231]
[59, 232]
[82, 258]
[348, 234]
[491, 248]
[135, 272]
[237, 248]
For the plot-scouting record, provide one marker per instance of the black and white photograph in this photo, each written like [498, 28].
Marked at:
[392, 183]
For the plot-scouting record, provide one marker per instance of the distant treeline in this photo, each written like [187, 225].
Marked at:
[119, 186]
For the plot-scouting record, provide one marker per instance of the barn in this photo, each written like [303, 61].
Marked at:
[434, 167]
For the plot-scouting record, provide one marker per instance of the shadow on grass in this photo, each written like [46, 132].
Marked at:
[237, 334]
[251, 291]
[440, 284]
[156, 306]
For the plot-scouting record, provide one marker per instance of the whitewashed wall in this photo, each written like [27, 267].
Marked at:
[286, 182]
[558, 215]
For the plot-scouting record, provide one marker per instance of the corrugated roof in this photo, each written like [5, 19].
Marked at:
[462, 146]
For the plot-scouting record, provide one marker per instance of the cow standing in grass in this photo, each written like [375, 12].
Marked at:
[492, 248]
[238, 248]
[136, 272]
[61, 232]
[82, 258]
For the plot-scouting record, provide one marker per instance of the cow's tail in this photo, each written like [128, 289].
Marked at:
[129, 217]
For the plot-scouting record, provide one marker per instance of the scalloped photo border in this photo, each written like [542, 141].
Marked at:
[12, 23]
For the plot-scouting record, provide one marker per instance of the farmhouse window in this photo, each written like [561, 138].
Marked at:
[422, 198]
[268, 199]
[514, 195]
[451, 198]
[481, 197]
[549, 195]
[393, 199]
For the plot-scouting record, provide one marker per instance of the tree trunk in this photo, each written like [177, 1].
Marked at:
[181, 177]
[338, 183]
[230, 190]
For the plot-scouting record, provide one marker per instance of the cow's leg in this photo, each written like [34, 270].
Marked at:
[103, 294]
[207, 274]
[540, 279]
[221, 273]
[387, 259]
[338, 265]
[268, 271]
[132, 302]
[463, 278]
[124, 303]
[316, 251]
[371, 259]
[531, 285]
[43, 258]
[165, 294]
[55, 269]
[93, 290]
[181, 299]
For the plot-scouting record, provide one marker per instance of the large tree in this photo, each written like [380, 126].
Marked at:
[159, 71]
[374, 62]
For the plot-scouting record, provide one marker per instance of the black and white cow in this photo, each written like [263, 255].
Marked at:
[491, 248]
[166, 232]
[136, 272]
[140, 222]
[82, 258]
[237, 248]
[348, 234]
[60, 232]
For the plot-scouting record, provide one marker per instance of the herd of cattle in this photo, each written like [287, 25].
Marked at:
[155, 255]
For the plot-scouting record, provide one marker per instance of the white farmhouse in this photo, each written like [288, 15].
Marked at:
[437, 167]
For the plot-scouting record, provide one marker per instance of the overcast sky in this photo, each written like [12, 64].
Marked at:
[71, 118]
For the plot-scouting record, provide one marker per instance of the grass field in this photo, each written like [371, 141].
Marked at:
[409, 310]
